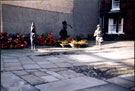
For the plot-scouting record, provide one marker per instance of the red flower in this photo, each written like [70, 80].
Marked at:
[25, 42]
[12, 46]
[25, 46]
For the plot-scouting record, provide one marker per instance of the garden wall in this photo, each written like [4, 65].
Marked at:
[18, 20]
[48, 16]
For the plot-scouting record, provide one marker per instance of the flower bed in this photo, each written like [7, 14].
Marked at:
[46, 39]
[12, 41]
[65, 43]
[78, 44]
[73, 43]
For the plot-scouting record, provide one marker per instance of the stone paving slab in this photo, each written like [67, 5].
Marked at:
[55, 60]
[13, 68]
[25, 60]
[70, 74]
[84, 58]
[65, 59]
[106, 87]
[14, 60]
[121, 82]
[31, 70]
[56, 75]
[79, 64]
[31, 66]
[57, 69]
[43, 62]
[71, 84]
[64, 65]
[34, 80]
[48, 66]
[130, 77]
[44, 70]
[49, 78]
[38, 59]
[12, 64]
[22, 72]
[52, 58]
[40, 74]
[13, 83]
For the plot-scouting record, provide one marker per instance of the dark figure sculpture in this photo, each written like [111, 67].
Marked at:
[63, 32]
[33, 37]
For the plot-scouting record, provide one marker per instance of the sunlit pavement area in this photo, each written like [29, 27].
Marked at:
[46, 69]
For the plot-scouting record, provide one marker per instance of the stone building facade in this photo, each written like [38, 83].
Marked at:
[48, 15]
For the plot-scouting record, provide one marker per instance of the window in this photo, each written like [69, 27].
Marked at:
[115, 26]
[115, 5]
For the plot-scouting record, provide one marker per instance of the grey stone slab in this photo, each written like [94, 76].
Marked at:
[14, 60]
[43, 62]
[106, 87]
[34, 80]
[25, 60]
[130, 77]
[121, 82]
[52, 58]
[48, 66]
[56, 75]
[55, 60]
[70, 74]
[71, 61]
[44, 70]
[12, 64]
[13, 68]
[84, 58]
[22, 72]
[31, 66]
[80, 63]
[31, 70]
[39, 73]
[71, 84]
[57, 69]
[49, 78]
[37, 58]
[13, 83]
[64, 65]
[65, 59]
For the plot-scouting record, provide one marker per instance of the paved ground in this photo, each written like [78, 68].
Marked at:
[26, 70]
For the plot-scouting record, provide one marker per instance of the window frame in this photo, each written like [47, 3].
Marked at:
[112, 25]
[114, 5]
